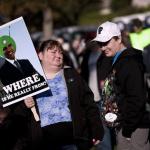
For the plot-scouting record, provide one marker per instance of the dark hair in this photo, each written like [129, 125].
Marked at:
[137, 23]
[49, 44]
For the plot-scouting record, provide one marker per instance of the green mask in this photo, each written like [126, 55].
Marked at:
[5, 40]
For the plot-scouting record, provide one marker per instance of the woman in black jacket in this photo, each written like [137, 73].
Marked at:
[67, 112]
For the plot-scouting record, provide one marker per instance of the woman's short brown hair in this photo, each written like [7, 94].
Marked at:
[49, 44]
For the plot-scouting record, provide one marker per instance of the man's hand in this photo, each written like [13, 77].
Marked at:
[29, 102]
[128, 139]
[95, 142]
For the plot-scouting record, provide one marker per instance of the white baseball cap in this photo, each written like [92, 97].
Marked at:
[106, 31]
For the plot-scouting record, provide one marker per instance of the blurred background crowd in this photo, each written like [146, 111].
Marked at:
[47, 18]
[74, 23]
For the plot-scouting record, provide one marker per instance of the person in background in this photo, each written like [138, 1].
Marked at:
[139, 36]
[124, 97]
[94, 69]
[77, 48]
[104, 65]
[69, 118]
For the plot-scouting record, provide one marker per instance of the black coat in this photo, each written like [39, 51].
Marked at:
[129, 70]
[85, 113]
[13, 129]
[9, 73]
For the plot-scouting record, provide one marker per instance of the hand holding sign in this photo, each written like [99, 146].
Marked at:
[29, 102]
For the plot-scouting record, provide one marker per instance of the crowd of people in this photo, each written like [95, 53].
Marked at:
[97, 99]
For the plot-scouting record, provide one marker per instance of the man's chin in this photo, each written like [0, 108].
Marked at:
[107, 55]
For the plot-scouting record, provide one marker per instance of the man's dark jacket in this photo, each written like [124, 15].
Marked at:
[9, 73]
[129, 70]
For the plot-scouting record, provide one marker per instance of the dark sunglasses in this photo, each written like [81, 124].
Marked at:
[101, 44]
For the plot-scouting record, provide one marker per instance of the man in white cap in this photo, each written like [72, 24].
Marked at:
[123, 90]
